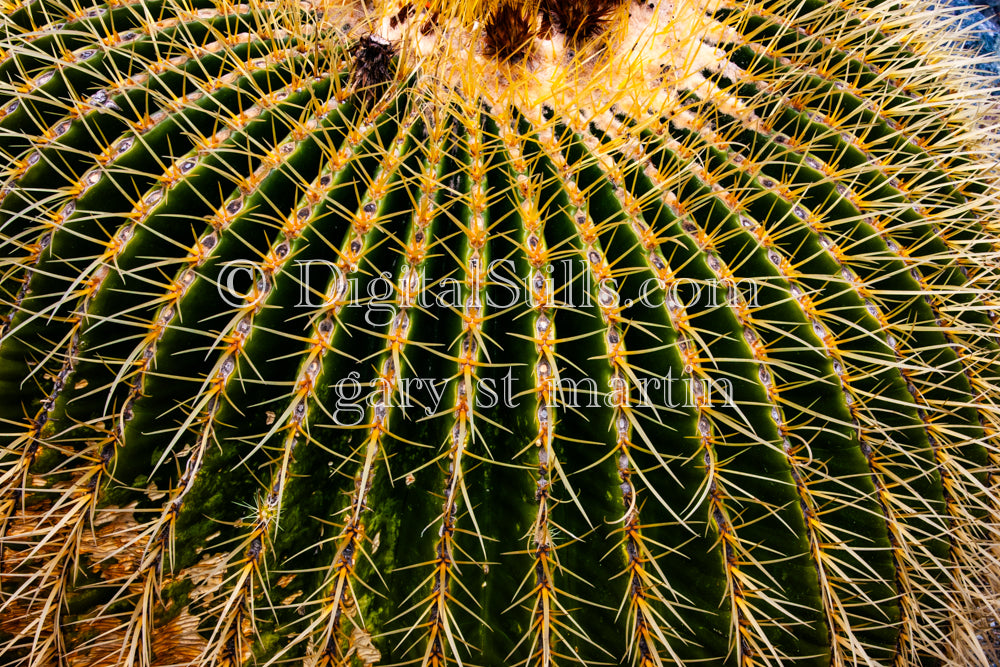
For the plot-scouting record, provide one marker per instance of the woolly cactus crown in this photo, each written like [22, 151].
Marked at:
[508, 333]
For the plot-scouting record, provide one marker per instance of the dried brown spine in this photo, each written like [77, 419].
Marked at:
[578, 20]
[509, 33]
[373, 66]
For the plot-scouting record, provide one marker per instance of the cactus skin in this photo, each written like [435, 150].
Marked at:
[797, 468]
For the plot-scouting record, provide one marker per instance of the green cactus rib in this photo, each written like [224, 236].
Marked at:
[371, 334]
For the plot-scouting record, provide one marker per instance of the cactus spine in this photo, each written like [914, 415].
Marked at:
[496, 333]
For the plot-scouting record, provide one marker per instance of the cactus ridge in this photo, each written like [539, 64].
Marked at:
[496, 333]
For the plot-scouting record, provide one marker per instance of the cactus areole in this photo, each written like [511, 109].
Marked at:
[496, 333]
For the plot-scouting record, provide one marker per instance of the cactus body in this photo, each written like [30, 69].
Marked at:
[542, 334]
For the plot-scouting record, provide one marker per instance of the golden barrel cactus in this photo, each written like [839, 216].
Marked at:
[496, 333]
